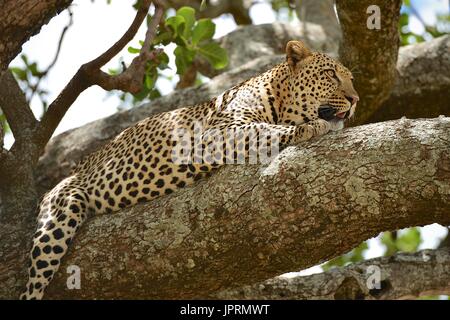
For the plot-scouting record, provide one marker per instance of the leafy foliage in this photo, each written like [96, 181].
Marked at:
[192, 38]
[442, 26]
[356, 255]
[29, 77]
[408, 241]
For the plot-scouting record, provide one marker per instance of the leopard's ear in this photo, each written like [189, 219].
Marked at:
[296, 52]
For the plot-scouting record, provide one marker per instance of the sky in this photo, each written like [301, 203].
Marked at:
[98, 25]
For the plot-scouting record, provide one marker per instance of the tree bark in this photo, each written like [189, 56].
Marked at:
[402, 276]
[370, 53]
[21, 19]
[249, 223]
[422, 88]
[321, 13]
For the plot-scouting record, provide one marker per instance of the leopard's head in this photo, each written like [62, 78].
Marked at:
[316, 76]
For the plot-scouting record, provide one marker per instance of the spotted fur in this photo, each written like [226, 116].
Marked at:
[138, 165]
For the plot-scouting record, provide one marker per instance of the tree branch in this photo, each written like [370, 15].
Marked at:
[423, 80]
[248, 223]
[370, 53]
[323, 14]
[239, 9]
[402, 276]
[15, 107]
[90, 73]
[44, 73]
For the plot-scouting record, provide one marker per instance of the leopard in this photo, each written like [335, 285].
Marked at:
[293, 102]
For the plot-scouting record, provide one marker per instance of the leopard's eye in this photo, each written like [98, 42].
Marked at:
[331, 73]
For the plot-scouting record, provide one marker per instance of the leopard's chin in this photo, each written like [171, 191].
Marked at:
[336, 120]
[336, 124]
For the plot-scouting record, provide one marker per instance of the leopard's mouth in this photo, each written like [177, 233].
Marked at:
[336, 119]
[328, 113]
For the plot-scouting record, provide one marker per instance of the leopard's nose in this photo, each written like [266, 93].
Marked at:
[352, 99]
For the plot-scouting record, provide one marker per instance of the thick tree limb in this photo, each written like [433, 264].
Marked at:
[370, 53]
[16, 172]
[249, 223]
[21, 19]
[402, 276]
[422, 88]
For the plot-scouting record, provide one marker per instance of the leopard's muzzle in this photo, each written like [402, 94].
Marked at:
[336, 119]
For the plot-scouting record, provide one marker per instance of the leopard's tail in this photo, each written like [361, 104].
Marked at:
[61, 213]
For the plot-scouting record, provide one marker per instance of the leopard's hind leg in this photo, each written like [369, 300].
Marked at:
[61, 213]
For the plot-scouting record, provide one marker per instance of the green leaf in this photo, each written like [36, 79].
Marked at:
[19, 73]
[137, 5]
[24, 59]
[177, 24]
[388, 240]
[409, 241]
[149, 81]
[34, 70]
[133, 50]
[154, 94]
[203, 5]
[164, 38]
[141, 95]
[203, 30]
[113, 71]
[163, 59]
[4, 123]
[215, 54]
[183, 58]
[356, 255]
[188, 14]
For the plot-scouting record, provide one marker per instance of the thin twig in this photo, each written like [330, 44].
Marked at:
[44, 73]
[101, 60]
[89, 74]
[131, 80]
